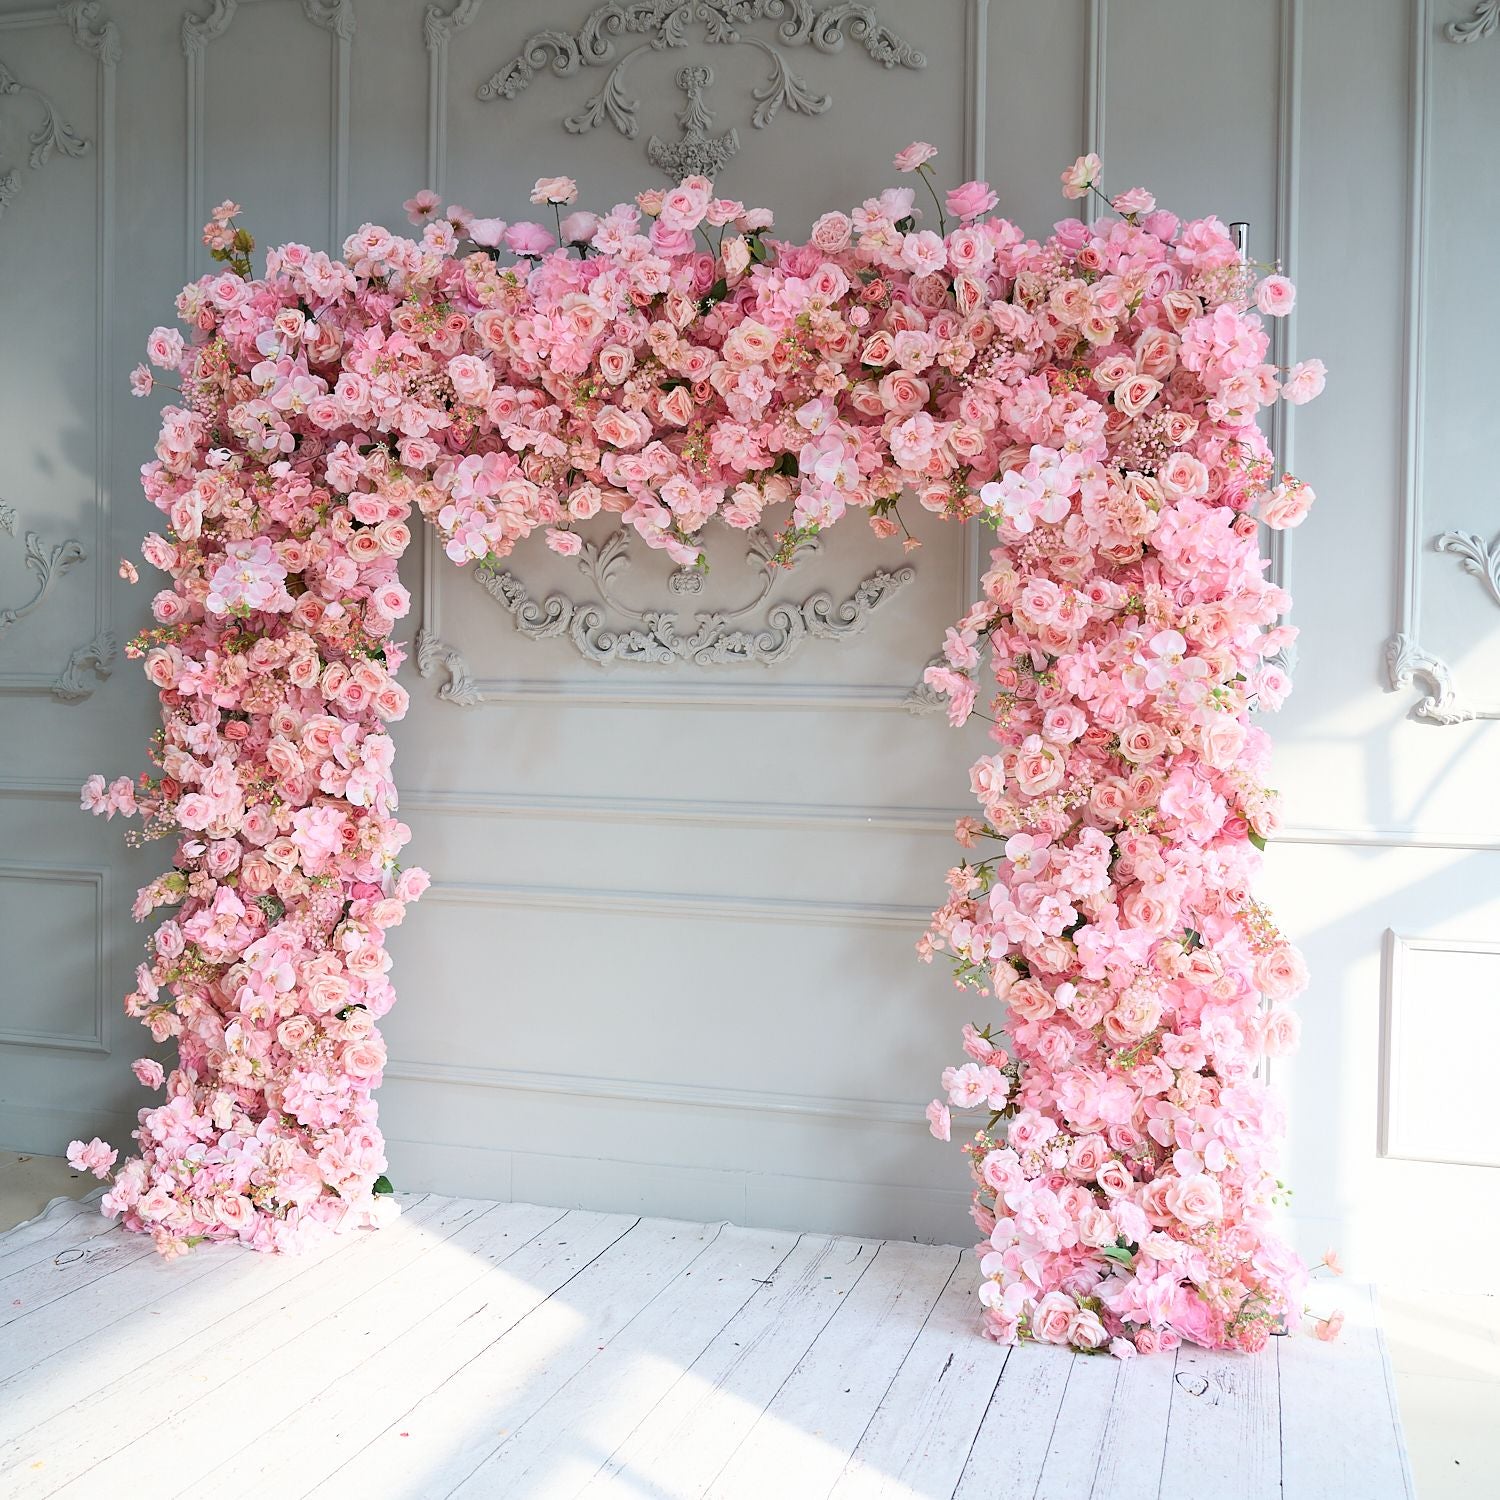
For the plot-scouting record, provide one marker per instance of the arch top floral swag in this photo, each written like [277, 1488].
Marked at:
[1092, 398]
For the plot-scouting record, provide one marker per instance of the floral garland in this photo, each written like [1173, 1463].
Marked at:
[1092, 397]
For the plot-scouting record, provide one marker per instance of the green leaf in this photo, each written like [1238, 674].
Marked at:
[1257, 840]
[716, 293]
[1120, 1254]
[383, 1185]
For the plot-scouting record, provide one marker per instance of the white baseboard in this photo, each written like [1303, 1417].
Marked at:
[761, 1200]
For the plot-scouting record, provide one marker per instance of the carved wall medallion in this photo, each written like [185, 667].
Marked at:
[608, 630]
[665, 24]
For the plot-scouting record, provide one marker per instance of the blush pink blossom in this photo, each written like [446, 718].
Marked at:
[918, 154]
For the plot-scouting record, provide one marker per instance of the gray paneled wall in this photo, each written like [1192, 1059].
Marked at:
[667, 961]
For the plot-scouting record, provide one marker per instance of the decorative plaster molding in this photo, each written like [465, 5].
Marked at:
[97, 656]
[1484, 21]
[53, 134]
[439, 27]
[697, 153]
[100, 39]
[923, 698]
[48, 567]
[433, 656]
[1408, 665]
[199, 31]
[1482, 560]
[336, 17]
[663, 24]
[93, 878]
[657, 638]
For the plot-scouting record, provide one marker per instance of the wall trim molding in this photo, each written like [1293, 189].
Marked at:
[1288, 204]
[1394, 990]
[688, 811]
[934, 820]
[673, 1095]
[337, 18]
[1408, 663]
[90, 662]
[96, 877]
[778, 910]
[1095, 94]
[439, 27]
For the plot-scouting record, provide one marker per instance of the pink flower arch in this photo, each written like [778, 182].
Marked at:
[1092, 398]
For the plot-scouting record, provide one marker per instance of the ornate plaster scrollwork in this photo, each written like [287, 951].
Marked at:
[664, 24]
[1482, 560]
[53, 134]
[48, 567]
[434, 656]
[336, 16]
[660, 637]
[97, 656]
[923, 698]
[1484, 21]
[97, 37]
[1409, 665]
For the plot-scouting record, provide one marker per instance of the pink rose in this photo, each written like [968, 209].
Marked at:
[1288, 504]
[554, 190]
[1133, 202]
[909, 158]
[1081, 176]
[1195, 1201]
[1304, 382]
[579, 228]
[1275, 296]
[970, 200]
[1052, 1318]
[148, 1072]
[939, 1121]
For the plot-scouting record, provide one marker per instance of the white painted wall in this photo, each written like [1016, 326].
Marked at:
[667, 962]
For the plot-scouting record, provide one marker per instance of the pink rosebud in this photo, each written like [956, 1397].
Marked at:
[940, 1120]
[141, 381]
[128, 571]
[1081, 176]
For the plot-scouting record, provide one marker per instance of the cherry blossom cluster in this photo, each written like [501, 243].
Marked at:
[1092, 397]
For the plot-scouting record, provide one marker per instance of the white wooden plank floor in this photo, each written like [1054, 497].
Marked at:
[502, 1350]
